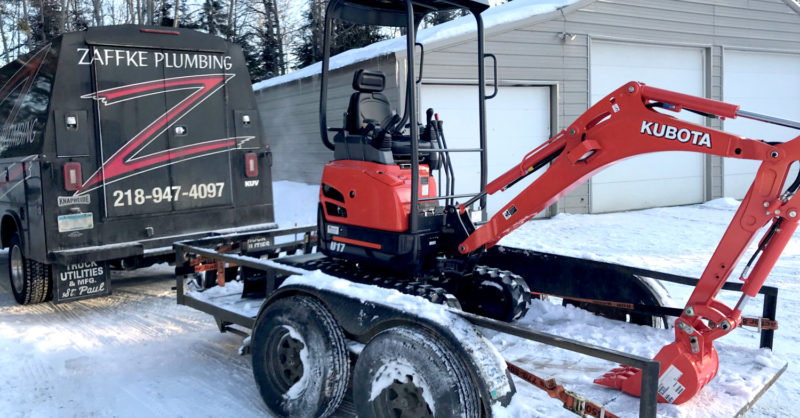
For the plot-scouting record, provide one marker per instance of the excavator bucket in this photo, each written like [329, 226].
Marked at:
[682, 374]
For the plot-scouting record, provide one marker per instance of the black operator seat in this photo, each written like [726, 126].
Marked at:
[368, 116]
[370, 131]
[368, 105]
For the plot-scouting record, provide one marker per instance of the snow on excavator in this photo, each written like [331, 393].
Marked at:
[381, 208]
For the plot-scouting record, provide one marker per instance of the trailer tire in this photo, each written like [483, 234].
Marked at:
[408, 362]
[30, 279]
[291, 382]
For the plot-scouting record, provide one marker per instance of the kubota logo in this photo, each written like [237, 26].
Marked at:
[701, 139]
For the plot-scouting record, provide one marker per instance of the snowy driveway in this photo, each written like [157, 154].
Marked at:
[133, 354]
[136, 353]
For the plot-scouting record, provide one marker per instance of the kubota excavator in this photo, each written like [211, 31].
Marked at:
[380, 207]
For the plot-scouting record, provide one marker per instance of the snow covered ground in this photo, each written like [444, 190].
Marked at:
[136, 353]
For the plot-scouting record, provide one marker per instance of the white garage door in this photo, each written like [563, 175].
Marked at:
[659, 179]
[518, 120]
[764, 83]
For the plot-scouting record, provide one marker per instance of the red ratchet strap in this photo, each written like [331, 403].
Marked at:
[571, 400]
[760, 323]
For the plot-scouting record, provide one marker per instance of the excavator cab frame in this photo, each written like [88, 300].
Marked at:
[406, 14]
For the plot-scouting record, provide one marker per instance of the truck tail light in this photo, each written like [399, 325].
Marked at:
[72, 177]
[251, 164]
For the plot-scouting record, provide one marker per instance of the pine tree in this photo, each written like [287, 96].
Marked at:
[437, 18]
[212, 18]
[345, 36]
[46, 22]
[271, 40]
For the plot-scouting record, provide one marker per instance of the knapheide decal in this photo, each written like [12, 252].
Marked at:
[128, 161]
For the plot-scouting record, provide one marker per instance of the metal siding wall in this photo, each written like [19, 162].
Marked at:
[289, 113]
[534, 52]
[531, 54]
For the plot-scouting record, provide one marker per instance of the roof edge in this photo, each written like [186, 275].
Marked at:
[387, 49]
[793, 4]
[506, 27]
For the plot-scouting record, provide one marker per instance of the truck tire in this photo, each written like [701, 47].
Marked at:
[411, 372]
[30, 280]
[300, 360]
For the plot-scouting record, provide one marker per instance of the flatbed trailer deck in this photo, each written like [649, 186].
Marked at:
[270, 263]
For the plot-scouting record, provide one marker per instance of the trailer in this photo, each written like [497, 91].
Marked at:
[116, 142]
[304, 314]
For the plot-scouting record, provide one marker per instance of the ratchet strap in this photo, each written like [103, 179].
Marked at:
[571, 400]
[760, 323]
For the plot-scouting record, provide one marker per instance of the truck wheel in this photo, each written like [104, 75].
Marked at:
[300, 360]
[30, 281]
[411, 372]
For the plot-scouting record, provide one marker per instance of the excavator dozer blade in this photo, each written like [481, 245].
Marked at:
[571, 277]
[682, 374]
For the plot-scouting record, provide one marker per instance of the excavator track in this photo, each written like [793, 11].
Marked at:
[492, 292]
[487, 291]
[433, 291]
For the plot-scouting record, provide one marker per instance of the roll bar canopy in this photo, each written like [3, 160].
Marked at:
[394, 12]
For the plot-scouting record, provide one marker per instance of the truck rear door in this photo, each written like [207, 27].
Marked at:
[203, 181]
[164, 142]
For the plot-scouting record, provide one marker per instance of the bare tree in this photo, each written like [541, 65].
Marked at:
[97, 12]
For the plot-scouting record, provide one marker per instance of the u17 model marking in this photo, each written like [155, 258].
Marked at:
[126, 161]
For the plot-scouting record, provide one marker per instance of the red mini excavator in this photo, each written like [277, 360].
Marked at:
[380, 207]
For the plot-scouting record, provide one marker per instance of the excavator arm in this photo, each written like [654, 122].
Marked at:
[627, 123]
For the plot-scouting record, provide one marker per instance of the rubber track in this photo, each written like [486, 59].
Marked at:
[354, 273]
[520, 293]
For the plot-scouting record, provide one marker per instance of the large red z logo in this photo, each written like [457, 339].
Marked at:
[127, 162]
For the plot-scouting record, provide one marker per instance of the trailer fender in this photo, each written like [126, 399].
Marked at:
[363, 317]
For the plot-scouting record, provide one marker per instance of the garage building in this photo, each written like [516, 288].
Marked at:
[555, 59]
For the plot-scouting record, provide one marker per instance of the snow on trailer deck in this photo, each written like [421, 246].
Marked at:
[137, 353]
[746, 374]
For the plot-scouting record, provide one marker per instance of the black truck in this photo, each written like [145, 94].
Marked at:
[116, 142]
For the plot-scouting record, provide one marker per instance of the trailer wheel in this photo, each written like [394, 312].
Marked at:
[411, 372]
[30, 281]
[300, 361]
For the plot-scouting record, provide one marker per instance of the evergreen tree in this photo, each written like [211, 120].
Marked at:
[270, 35]
[45, 23]
[345, 36]
[212, 18]
[76, 16]
[437, 18]
[164, 14]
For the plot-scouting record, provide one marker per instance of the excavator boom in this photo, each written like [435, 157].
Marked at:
[627, 123]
